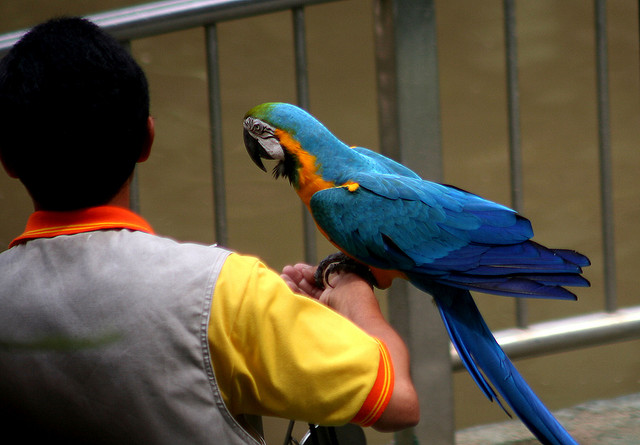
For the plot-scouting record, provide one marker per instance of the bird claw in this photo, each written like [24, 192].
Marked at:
[339, 262]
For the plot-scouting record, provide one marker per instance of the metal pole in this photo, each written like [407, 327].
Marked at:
[215, 125]
[149, 19]
[409, 117]
[302, 90]
[604, 145]
[566, 335]
[134, 187]
[513, 109]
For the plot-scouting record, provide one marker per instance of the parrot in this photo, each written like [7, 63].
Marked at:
[445, 241]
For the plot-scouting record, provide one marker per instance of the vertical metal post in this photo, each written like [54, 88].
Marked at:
[604, 145]
[134, 188]
[215, 125]
[300, 52]
[513, 110]
[409, 119]
[302, 93]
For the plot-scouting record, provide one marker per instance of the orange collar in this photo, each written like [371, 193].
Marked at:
[47, 224]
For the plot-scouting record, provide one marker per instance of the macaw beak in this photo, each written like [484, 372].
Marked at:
[255, 150]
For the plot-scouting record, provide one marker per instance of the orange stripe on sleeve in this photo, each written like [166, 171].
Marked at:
[380, 394]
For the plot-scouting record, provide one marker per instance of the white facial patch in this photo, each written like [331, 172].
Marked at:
[265, 135]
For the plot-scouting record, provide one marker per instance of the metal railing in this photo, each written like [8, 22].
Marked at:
[409, 115]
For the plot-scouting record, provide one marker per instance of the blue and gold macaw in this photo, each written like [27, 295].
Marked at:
[442, 239]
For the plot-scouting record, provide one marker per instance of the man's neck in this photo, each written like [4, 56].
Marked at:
[121, 199]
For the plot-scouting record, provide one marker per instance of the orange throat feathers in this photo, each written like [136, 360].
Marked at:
[308, 179]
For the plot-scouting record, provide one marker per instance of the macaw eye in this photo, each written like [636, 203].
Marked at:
[258, 128]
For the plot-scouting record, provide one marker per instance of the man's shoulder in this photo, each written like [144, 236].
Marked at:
[163, 245]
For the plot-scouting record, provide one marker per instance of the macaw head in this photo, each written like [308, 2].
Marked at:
[291, 136]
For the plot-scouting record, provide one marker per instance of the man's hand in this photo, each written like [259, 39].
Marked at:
[339, 262]
[341, 286]
[300, 278]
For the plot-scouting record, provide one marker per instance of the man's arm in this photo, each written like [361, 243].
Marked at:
[353, 297]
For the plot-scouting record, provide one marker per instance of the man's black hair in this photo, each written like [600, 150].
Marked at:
[73, 113]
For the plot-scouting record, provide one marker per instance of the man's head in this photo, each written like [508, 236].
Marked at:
[74, 110]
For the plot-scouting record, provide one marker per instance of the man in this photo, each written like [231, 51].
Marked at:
[110, 333]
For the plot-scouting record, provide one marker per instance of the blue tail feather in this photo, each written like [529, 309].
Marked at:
[513, 286]
[519, 270]
[573, 257]
[467, 359]
[483, 356]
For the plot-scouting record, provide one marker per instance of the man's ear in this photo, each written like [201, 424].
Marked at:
[151, 133]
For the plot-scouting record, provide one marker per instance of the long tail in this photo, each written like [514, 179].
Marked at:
[480, 351]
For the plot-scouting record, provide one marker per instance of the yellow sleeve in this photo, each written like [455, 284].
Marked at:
[279, 354]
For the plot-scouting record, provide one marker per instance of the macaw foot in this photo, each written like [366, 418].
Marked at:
[339, 262]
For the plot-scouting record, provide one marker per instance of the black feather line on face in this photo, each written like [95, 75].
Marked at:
[288, 168]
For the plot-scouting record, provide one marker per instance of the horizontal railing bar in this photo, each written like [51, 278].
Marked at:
[566, 334]
[151, 19]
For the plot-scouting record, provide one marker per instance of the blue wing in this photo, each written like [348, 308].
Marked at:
[445, 234]
[382, 164]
